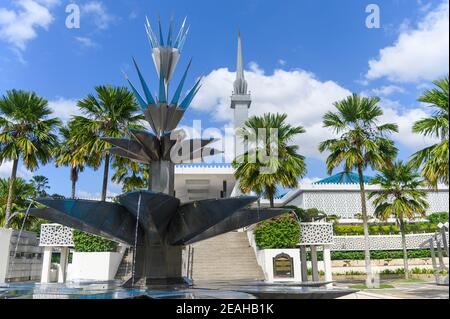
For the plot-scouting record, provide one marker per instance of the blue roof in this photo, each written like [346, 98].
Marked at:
[343, 178]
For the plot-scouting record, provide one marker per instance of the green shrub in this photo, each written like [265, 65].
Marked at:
[437, 218]
[282, 232]
[398, 271]
[376, 254]
[384, 229]
[87, 243]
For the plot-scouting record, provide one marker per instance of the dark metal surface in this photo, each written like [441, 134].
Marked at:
[155, 212]
[194, 218]
[104, 219]
[161, 218]
[241, 218]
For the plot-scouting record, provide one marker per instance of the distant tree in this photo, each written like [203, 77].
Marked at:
[131, 175]
[361, 143]
[40, 184]
[23, 192]
[109, 114]
[286, 168]
[68, 154]
[308, 215]
[433, 160]
[400, 197]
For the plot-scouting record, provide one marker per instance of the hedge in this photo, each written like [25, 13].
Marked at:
[376, 254]
[386, 229]
[282, 232]
[437, 218]
[86, 243]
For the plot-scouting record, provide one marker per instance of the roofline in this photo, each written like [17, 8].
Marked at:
[336, 188]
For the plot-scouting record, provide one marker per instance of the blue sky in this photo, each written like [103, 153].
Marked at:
[300, 57]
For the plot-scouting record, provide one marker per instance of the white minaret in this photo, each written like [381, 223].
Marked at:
[240, 100]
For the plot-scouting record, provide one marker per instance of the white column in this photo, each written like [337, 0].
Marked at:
[46, 264]
[327, 264]
[314, 264]
[304, 263]
[64, 260]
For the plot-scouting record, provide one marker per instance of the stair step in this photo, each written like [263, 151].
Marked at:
[226, 257]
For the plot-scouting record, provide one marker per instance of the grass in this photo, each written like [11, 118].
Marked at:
[363, 286]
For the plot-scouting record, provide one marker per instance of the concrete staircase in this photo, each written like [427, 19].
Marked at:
[226, 257]
[124, 272]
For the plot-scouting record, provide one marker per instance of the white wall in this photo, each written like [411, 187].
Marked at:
[28, 264]
[93, 266]
[344, 199]
[5, 239]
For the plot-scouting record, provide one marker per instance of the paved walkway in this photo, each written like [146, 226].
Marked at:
[402, 290]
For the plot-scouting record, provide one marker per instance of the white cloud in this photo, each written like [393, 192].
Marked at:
[6, 168]
[19, 25]
[86, 42]
[388, 90]
[98, 11]
[133, 15]
[405, 120]
[282, 62]
[64, 108]
[420, 53]
[298, 93]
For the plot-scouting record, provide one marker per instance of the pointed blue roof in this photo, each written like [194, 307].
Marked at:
[343, 178]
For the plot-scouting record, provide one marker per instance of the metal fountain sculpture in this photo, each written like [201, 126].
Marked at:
[155, 221]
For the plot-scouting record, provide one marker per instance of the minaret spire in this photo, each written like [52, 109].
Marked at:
[240, 101]
[240, 84]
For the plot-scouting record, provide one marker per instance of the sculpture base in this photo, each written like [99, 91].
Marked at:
[157, 265]
[159, 283]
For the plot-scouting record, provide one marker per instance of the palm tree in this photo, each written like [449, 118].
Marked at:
[26, 133]
[284, 169]
[131, 175]
[40, 183]
[67, 155]
[361, 143]
[22, 193]
[110, 114]
[400, 197]
[434, 159]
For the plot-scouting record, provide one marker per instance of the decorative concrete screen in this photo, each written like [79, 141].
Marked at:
[380, 242]
[316, 234]
[344, 204]
[55, 235]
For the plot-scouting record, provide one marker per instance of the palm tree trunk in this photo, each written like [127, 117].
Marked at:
[405, 251]
[366, 227]
[105, 177]
[272, 204]
[73, 178]
[11, 192]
